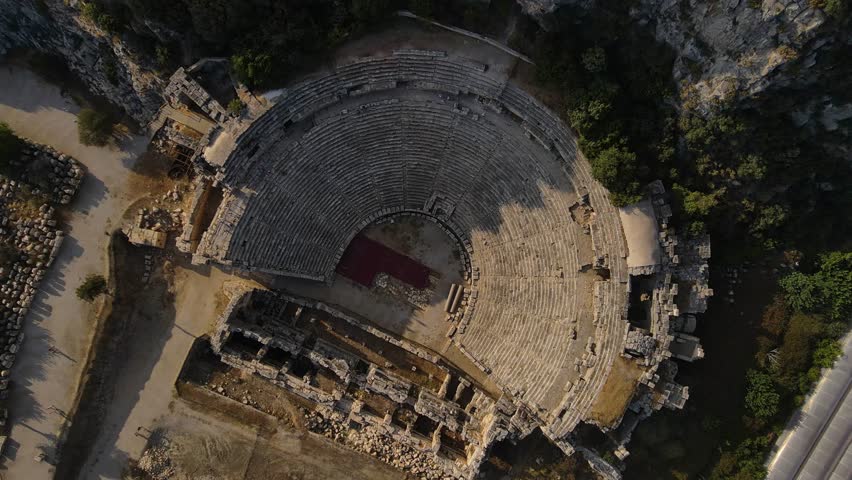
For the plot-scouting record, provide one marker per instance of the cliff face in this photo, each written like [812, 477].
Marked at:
[737, 48]
[103, 62]
[732, 49]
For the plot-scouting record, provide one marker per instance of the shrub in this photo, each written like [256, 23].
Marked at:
[10, 146]
[111, 71]
[91, 287]
[835, 8]
[93, 127]
[775, 316]
[795, 352]
[826, 352]
[236, 106]
[8, 254]
[94, 13]
[163, 56]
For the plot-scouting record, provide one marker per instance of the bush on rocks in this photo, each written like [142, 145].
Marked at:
[91, 287]
[94, 128]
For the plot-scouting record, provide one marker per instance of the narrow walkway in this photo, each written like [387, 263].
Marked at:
[468, 33]
[57, 329]
[816, 445]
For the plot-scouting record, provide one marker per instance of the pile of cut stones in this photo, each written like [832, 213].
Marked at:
[374, 442]
[30, 241]
[160, 218]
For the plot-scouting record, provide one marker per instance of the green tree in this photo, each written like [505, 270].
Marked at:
[745, 462]
[91, 287]
[761, 398]
[252, 68]
[802, 293]
[828, 290]
[594, 59]
[615, 168]
[93, 127]
[697, 204]
[751, 167]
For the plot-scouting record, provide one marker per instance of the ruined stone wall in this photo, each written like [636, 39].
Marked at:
[55, 27]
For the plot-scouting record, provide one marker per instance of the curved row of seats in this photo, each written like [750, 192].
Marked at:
[322, 162]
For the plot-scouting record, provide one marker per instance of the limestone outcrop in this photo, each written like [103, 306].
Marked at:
[107, 66]
[731, 50]
[734, 49]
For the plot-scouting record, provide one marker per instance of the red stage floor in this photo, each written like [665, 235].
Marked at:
[365, 258]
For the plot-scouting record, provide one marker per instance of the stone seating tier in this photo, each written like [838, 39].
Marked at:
[384, 136]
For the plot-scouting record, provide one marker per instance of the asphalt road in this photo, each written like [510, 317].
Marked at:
[818, 442]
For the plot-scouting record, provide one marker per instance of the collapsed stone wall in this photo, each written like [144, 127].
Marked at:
[373, 441]
[106, 64]
[33, 240]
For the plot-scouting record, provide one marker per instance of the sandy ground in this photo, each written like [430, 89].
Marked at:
[201, 446]
[421, 240]
[145, 391]
[45, 382]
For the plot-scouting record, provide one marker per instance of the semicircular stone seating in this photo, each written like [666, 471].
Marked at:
[425, 132]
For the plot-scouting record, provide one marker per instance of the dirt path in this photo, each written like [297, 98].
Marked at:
[133, 386]
[197, 445]
[45, 382]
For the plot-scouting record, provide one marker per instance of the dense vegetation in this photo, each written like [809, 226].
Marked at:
[619, 100]
[268, 40]
[744, 172]
[800, 333]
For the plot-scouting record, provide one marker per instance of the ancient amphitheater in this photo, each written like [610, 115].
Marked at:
[543, 308]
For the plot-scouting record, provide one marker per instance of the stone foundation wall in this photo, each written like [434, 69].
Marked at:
[31, 239]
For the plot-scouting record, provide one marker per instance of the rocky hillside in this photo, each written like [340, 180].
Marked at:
[737, 49]
[101, 60]
[731, 50]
